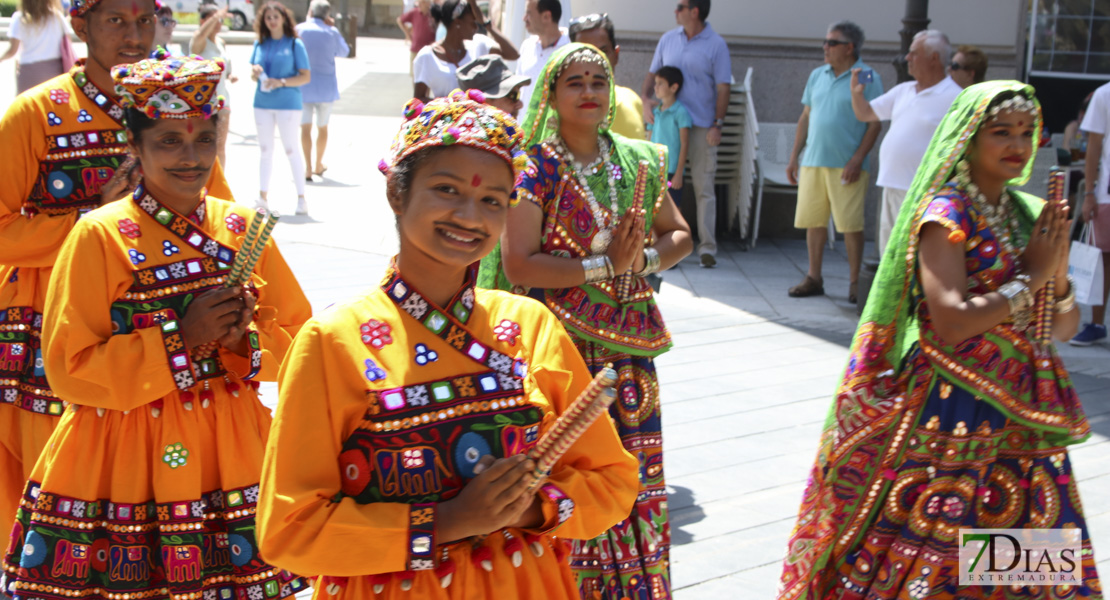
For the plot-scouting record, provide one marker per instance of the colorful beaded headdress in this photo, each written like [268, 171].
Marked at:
[170, 87]
[461, 119]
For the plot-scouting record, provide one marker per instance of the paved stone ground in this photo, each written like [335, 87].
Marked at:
[745, 389]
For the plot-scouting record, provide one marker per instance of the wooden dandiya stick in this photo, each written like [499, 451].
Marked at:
[624, 280]
[1045, 306]
[253, 230]
[255, 251]
[587, 408]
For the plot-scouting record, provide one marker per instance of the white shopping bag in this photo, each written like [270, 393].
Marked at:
[1085, 268]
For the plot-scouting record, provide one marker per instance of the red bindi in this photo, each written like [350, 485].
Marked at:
[1020, 123]
[477, 181]
[134, 8]
[189, 126]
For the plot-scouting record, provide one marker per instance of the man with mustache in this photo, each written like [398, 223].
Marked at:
[65, 156]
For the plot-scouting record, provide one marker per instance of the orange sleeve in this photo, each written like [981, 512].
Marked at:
[301, 520]
[83, 360]
[282, 310]
[598, 475]
[26, 242]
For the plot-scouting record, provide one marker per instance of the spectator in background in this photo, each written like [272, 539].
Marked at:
[914, 109]
[280, 66]
[436, 65]
[419, 28]
[969, 66]
[490, 75]
[598, 31]
[37, 32]
[324, 44]
[541, 20]
[1075, 139]
[832, 176]
[672, 126]
[206, 42]
[164, 27]
[1096, 205]
[702, 56]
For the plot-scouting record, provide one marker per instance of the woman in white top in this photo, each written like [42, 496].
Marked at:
[435, 65]
[36, 33]
[207, 43]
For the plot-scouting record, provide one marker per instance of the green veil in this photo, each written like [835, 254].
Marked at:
[871, 415]
[538, 121]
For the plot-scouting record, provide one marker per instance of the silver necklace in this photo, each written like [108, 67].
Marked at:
[604, 236]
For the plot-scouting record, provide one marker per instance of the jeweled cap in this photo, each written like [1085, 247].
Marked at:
[460, 118]
[170, 87]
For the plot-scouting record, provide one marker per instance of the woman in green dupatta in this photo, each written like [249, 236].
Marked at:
[583, 239]
[954, 412]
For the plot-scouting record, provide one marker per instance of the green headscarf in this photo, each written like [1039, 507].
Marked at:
[539, 119]
[872, 415]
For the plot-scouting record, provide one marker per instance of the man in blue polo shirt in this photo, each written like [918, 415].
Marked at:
[703, 58]
[833, 174]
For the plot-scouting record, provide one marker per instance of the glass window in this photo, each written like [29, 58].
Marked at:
[1071, 36]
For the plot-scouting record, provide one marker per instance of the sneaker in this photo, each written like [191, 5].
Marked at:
[302, 206]
[1092, 333]
[261, 205]
[708, 261]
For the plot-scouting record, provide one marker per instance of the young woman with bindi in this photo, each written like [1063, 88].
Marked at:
[149, 485]
[954, 396]
[584, 243]
[397, 465]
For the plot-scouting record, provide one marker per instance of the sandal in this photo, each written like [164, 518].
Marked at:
[853, 292]
[808, 287]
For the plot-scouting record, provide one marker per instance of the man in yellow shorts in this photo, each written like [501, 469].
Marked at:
[833, 173]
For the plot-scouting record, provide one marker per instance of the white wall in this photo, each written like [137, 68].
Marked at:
[980, 22]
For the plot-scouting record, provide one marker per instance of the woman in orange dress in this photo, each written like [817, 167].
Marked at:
[396, 465]
[147, 488]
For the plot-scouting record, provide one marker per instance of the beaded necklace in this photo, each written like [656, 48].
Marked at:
[1000, 218]
[604, 236]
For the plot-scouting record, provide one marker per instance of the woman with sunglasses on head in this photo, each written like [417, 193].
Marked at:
[148, 486]
[397, 466]
[435, 66]
[955, 411]
[584, 237]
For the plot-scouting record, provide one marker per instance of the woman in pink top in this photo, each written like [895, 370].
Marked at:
[419, 28]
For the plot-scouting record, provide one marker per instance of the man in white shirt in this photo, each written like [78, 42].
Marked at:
[1095, 208]
[541, 19]
[914, 109]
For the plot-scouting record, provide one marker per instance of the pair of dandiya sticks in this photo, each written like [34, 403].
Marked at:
[258, 234]
[593, 402]
[1045, 305]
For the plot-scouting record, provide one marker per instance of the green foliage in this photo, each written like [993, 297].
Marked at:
[7, 7]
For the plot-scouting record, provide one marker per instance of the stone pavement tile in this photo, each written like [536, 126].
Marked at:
[694, 458]
[737, 480]
[729, 553]
[760, 420]
[757, 583]
[706, 322]
[750, 362]
[676, 412]
[687, 349]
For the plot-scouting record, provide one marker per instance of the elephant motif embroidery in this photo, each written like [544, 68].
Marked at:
[130, 563]
[410, 472]
[71, 560]
[217, 550]
[182, 563]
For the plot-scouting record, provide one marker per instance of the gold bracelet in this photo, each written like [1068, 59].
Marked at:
[1067, 303]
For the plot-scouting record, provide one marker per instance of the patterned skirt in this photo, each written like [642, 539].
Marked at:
[152, 503]
[967, 465]
[631, 560]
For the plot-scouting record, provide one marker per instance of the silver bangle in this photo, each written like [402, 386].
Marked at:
[651, 262]
[597, 268]
[1067, 303]
[1019, 297]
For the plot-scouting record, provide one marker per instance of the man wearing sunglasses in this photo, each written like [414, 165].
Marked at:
[832, 174]
[490, 75]
[702, 55]
[914, 109]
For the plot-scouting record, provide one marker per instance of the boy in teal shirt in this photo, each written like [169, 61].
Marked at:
[672, 125]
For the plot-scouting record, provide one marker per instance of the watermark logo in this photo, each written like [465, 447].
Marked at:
[1021, 557]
